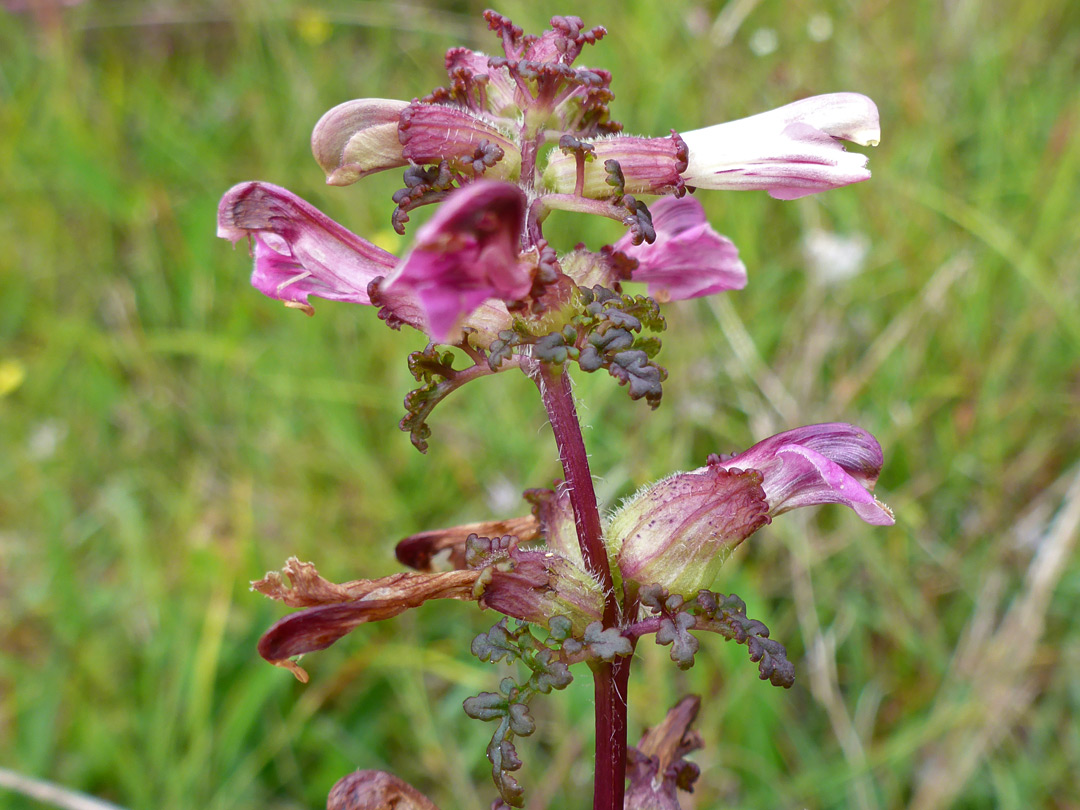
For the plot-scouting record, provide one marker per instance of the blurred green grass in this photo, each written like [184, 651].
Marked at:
[167, 434]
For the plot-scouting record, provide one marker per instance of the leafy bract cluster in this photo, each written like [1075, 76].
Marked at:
[509, 707]
[605, 332]
[715, 613]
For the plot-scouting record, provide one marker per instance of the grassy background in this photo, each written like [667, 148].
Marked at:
[167, 434]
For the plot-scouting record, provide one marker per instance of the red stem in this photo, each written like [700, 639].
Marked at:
[609, 779]
[559, 402]
[609, 679]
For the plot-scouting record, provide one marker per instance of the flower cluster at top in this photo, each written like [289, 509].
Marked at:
[512, 138]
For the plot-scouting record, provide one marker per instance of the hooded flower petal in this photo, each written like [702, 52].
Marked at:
[299, 251]
[688, 259]
[359, 138]
[468, 252]
[678, 531]
[817, 464]
[791, 151]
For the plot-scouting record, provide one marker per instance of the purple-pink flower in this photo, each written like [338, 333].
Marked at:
[688, 259]
[817, 464]
[790, 152]
[679, 531]
[473, 148]
[467, 254]
[299, 251]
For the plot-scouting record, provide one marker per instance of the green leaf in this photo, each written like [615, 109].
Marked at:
[606, 644]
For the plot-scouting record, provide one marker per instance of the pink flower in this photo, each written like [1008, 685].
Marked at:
[466, 256]
[299, 251]
[678, 531]
[817, 464]
[791, 151]
[688, 259]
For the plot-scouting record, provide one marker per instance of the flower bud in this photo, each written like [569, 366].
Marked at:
[430, 133]
[678, 531]
[649, 166]
[376, 790]
[358, 138]
[539, 585]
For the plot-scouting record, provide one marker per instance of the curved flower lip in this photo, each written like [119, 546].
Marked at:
[299, 251]
[688, 259]
[467, 253]
[791, 151]
[358, 138]
[817, 464]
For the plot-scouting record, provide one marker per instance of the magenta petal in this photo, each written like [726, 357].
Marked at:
[467, 253]
[430, 133]
[299, 251]
[818, 464]
[688, 259]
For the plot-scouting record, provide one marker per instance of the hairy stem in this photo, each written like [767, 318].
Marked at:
[609, 779]
[558, 399]
[609, 679]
